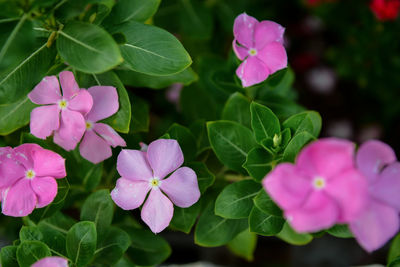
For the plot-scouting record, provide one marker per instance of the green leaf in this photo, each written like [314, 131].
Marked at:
[147, 248]
[136, 10]
[292, 237]
[340, 230]
[124, 262]
[184, 218]
[30, 233]
[196, 104]
[84, 172]
[213, 231]
[8, 256]
[88, 47]
[113, 247]
[231, 143]
[140, 115]
[185, 139]
[394, 263]
[295, 145]
[309, 121]
[199, 130]
[137, 79]
[152, 50]
[237, 108]
[15, 115]
[394, 250]
[264, 224]
[258, 163]
[264, 203]
[244, 245]
[81, 243]
[98, 208]
[204, 177]
[264, 122]
[196, 20]
[236, 200]
[28, 252]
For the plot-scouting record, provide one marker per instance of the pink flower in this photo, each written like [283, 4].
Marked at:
[260, 45]
[380, 219]
[385, 10]
[27, 181]
[51, 262]
[323, 187]
[68, 127]
[98, 137]
[146, 171]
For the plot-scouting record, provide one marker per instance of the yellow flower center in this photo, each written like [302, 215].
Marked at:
[30, 174]
[252, 52]
[319, 183]
[63, 104]
[155, 182]
[89, 125]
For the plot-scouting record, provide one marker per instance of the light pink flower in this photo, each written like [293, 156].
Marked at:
[260, 45]
[27, 181]
[51, 262]
[380, 220]
[62, 114]
[323, 187]
[146, 171]
[98, 137]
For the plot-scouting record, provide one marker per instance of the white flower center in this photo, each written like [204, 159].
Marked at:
[155, 183]
[319, 182]
[89, 125]
[30, 174]
[62, 104]
[252, 52]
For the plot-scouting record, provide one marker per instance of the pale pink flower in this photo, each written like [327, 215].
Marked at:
[62, 114]
[27, 181]
[98, 137]
[323, 187]
[147, 171]
[260, 45]
[379, 221]
[51, 262]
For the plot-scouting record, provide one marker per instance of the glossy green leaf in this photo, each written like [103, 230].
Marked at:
[394, 250]
[152, 50]
[196, 20]
[394, 263]
[309, 121]
[264, 224]
[264, 203]
[196, 104]
[81, 243]
[88, 47]
[237, 108]
[124, 262]
[231, 143]
[136, 10]
[184, 218]
[199, 130]
[204, 177]
[140, 115]
[296, 144]
[340, 230]
[15, 115]
[244, 245]
[264, 122]
[8, 256]
[30, 233]
[185, 139]
[213, 231]
[28, 252]
[236, 200]
[258, 163]
[292, 237]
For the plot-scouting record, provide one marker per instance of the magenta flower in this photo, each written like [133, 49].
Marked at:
[146, 171]
[323, 187]
[380, 219]
[62, 114]
[98, 137]
[27, 181]
[260, 45]
[51, 262]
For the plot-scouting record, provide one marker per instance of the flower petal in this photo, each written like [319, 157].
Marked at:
[286, 186]
[51, 262]
[267, 32]
[45, 189]
[350, 192]
[182, 187]
[133, 165]
[10, 170]
[252, 71]
[109, 134]
[164, 156]
[326, 157]
[273, 55]
[44, 120]
[372, 156]
[157, 211]
[243, 29]
[48, 163]
[318, 212]
[71, 129]
[18, 200]
[68, 84]
[23, 153]
[105, 102]
[240, 51]
[46, 92]
[94, 148]
[128, 194]
[81, 102]
[387, 186]
[375, 226]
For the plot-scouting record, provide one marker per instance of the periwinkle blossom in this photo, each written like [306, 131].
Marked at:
[27, 178]
[98, 138]
[260, 46]
[62, 114]
[379, 221]
[147, 171]
[51, 262]
[321, 189]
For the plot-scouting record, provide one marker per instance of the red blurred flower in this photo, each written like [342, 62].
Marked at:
[385, 10]
[314, 3]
